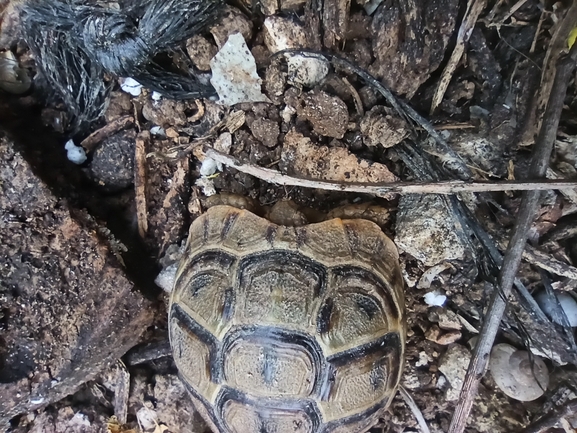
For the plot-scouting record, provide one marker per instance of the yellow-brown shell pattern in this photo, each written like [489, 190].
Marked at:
[288, 329]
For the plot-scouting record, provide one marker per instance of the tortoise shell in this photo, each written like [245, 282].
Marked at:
[288, 329]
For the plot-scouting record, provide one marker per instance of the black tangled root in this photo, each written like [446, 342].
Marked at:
[77, 44]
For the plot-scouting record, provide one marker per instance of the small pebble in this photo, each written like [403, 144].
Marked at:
[435, 299]
[166, 277]
[74, 153]
[131, 86]
[158, 131]
[208, 167]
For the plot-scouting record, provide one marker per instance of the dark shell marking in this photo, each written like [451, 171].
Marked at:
[288, 329]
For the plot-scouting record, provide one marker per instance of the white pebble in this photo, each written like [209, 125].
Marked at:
[79, 419]
[75, 154]
[435, 299]
[147, 418]
[207, 186]
[208, 167]
[37, 400]
[131, 86]
[166, 277]
[156, 96]
[158, 131]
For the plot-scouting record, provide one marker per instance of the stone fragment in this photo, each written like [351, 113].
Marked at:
[446, 319]
[409, 41]
[264, 130]
[435, 334]
[453, 364]
[234, 74]
[201, 51]
[426, 231]
[284, 33]
[231, 21]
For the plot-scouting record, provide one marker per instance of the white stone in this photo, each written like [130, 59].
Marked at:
[234, 73]
[284, 33]
[131, 86]
[74, 153]
[208, 167]
[147, 418]
[426, 230]
[453, 364]
[166, 277]
[158, 131]
[435, 299]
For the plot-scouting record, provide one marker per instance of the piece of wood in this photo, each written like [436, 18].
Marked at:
[553, 419]
[557, 45]
[121, 392]
[410, 402]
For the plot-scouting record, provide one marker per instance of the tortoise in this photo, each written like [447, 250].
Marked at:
[287, 329]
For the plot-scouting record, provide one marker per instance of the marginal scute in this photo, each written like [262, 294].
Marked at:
[288, 329]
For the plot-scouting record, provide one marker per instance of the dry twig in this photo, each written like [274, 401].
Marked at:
[140, 182]
[474, 9]
[380, 189]
[527, 211]
[556, 46]
[90, 142]
[548, 263]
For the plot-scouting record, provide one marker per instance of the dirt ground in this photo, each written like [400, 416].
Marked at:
[119, 218]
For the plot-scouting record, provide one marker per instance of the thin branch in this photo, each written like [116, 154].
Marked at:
[94, 139]
[380, 189]
[414, 409]
[140, 172]
[474, 9]
[527, 211]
